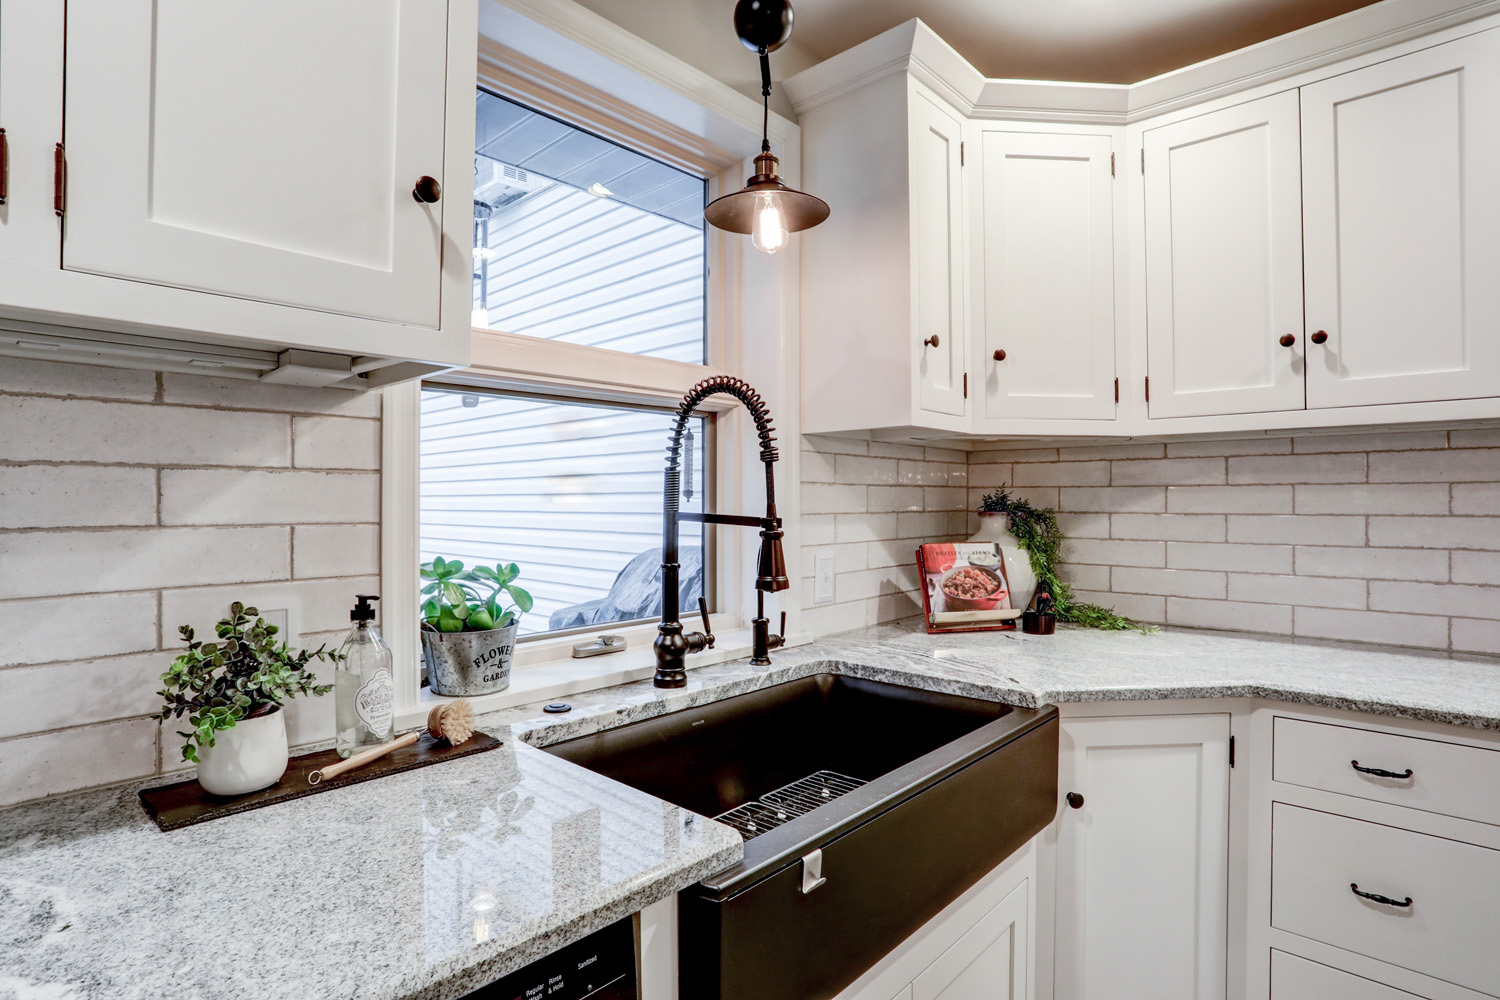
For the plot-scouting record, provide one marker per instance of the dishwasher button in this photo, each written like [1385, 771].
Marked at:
[812, 871]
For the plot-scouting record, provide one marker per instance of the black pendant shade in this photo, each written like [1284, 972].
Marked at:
[765, 209]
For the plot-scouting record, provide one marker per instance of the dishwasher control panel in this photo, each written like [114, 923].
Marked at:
[600, 967]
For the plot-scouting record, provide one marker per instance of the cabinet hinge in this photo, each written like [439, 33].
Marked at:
[59, 181]
[966, 385]
[1111, 164]
[4, 164]
[1231, 751]
[960, 154]
[1117, 390]
[1143, 159]
[1148, 388]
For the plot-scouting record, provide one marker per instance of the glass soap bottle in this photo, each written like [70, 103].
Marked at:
[364, 691]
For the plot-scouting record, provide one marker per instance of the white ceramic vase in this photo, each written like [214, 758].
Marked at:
[995, 528]
[247, 757]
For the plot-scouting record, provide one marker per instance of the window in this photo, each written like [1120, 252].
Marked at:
[572, 493]
[580, 240]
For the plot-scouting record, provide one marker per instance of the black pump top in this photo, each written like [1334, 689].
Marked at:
[362, 611]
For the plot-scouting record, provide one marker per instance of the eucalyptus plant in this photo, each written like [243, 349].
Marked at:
[454, 598]
[1037, 532]
[246, 673]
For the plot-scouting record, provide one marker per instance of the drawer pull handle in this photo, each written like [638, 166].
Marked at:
[1375, 897]
[1381, 772]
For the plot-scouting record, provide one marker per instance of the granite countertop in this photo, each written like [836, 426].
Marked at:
[433, 882]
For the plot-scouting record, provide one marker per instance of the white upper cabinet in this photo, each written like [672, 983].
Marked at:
[937, 226]
[1043, 276]
[1224, 261]
[1142, 858]
[265, 150]
[1399, 168]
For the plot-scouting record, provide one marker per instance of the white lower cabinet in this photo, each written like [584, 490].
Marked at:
[978, 948]
[1142, 858]
[1294, 978]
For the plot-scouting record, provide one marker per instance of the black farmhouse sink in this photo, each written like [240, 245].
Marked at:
[897, 799]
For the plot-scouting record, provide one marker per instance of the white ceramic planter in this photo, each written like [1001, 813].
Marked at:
[245, 758]
[996, 528]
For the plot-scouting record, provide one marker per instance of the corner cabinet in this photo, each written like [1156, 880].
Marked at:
[1043, 282]
[883, 279]
[242, 177]
[1142, 858]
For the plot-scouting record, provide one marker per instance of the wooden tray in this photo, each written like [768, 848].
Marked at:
[185, 803]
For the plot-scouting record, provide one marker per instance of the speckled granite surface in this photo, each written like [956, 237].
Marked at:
[431, 883]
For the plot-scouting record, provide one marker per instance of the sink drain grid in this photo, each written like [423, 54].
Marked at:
[788, 802]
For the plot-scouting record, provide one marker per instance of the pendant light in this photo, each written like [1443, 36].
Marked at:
[765, 209]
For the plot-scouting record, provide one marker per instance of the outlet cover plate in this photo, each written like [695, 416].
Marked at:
[823, 573]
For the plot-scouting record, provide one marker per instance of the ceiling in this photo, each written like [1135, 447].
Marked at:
[1092, 41]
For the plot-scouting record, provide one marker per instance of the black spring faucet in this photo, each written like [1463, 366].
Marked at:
[672, 644]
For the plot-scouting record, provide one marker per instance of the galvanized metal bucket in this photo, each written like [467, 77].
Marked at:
[468, 663]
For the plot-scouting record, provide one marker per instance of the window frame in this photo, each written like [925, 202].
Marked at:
[586, 71]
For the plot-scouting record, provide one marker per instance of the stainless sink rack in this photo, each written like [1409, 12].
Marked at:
[788, 802]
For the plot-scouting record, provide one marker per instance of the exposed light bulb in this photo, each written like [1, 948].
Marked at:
[768, 232]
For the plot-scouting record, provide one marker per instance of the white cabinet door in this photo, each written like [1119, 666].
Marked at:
[1224, 261]
[266, 151]
[987, 963]
[1403, 227]
[1045, 290]
[1294, 978]
[1142, 864]
[938, 255]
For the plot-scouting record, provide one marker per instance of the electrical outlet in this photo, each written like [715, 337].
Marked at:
[282, 619]
[823, 578]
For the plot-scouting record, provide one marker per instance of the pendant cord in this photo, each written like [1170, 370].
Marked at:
[765, 95]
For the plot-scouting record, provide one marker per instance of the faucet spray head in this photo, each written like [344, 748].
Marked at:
[772, 573]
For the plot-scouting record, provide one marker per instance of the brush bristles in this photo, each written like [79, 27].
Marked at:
[453, 722]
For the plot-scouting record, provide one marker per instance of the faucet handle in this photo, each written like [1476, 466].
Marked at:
[708, 633]
[778, 640]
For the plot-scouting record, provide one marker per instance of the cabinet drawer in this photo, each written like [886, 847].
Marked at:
[1446, 778]
[1294, 978]
[1448, 930]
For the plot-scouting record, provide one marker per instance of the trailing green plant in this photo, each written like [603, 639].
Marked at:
[1037, 532]
[246, 673]
[453, 600]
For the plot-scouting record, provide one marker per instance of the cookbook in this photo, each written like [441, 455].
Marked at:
[964, 587]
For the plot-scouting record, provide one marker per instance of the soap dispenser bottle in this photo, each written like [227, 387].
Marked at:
[364, 691]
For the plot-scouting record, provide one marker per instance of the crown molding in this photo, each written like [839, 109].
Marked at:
[914, 48]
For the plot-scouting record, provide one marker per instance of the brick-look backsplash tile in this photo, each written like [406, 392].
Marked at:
[132, 503]
[1388, 536]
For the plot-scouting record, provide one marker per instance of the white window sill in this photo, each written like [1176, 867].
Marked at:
[559, 678]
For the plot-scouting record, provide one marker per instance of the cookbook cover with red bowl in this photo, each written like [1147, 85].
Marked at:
[964, 588]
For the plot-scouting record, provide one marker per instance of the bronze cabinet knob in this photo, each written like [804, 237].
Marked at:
[1000, 355]
[1321, 337]
[1075, 801]
[932, 341]
[1287, 340]
[428, 190]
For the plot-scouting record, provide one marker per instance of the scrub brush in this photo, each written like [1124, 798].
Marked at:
[452, 723]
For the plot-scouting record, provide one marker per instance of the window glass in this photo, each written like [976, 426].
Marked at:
[570, 492]
[581, 240]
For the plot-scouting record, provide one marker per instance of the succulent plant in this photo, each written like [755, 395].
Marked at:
[246, 673]
[453, 602]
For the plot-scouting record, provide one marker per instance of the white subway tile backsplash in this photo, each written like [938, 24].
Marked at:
[1322, 592]
[1231, 615]
[990, 475]
[50, 563]
[1436, 532]
[1169, 582]
[1452, 466]
[1249, 446]
[1476, 635]
[1371, 626]
[69, 496]
[1288, 529]
[1170, 527]
[1085, 453]
[889, 499]
[1385, 498]
[1235, 558]
[857, 469]
[1084, 525]
[80, 692]
[1482, 437]
[63, 628]
[321, 550]
[1413, 440]
[1298, 469]
[1475, 498]
[241, 394]
[80, 757]
[335, 443]
[922, 473]
[865, 527]
[824, 498]
[885, 450]
[1142, 607]
[49, 378]
[315, 605]
[1229, 499]
[1459, 599]
[1062, 474]
[1475, 567]
[1372, 563]
[80, 430]
[1114, 499]
[1168, 472]
[215, 496]
[818, 467]
[1013, 455]
[1115, 552]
